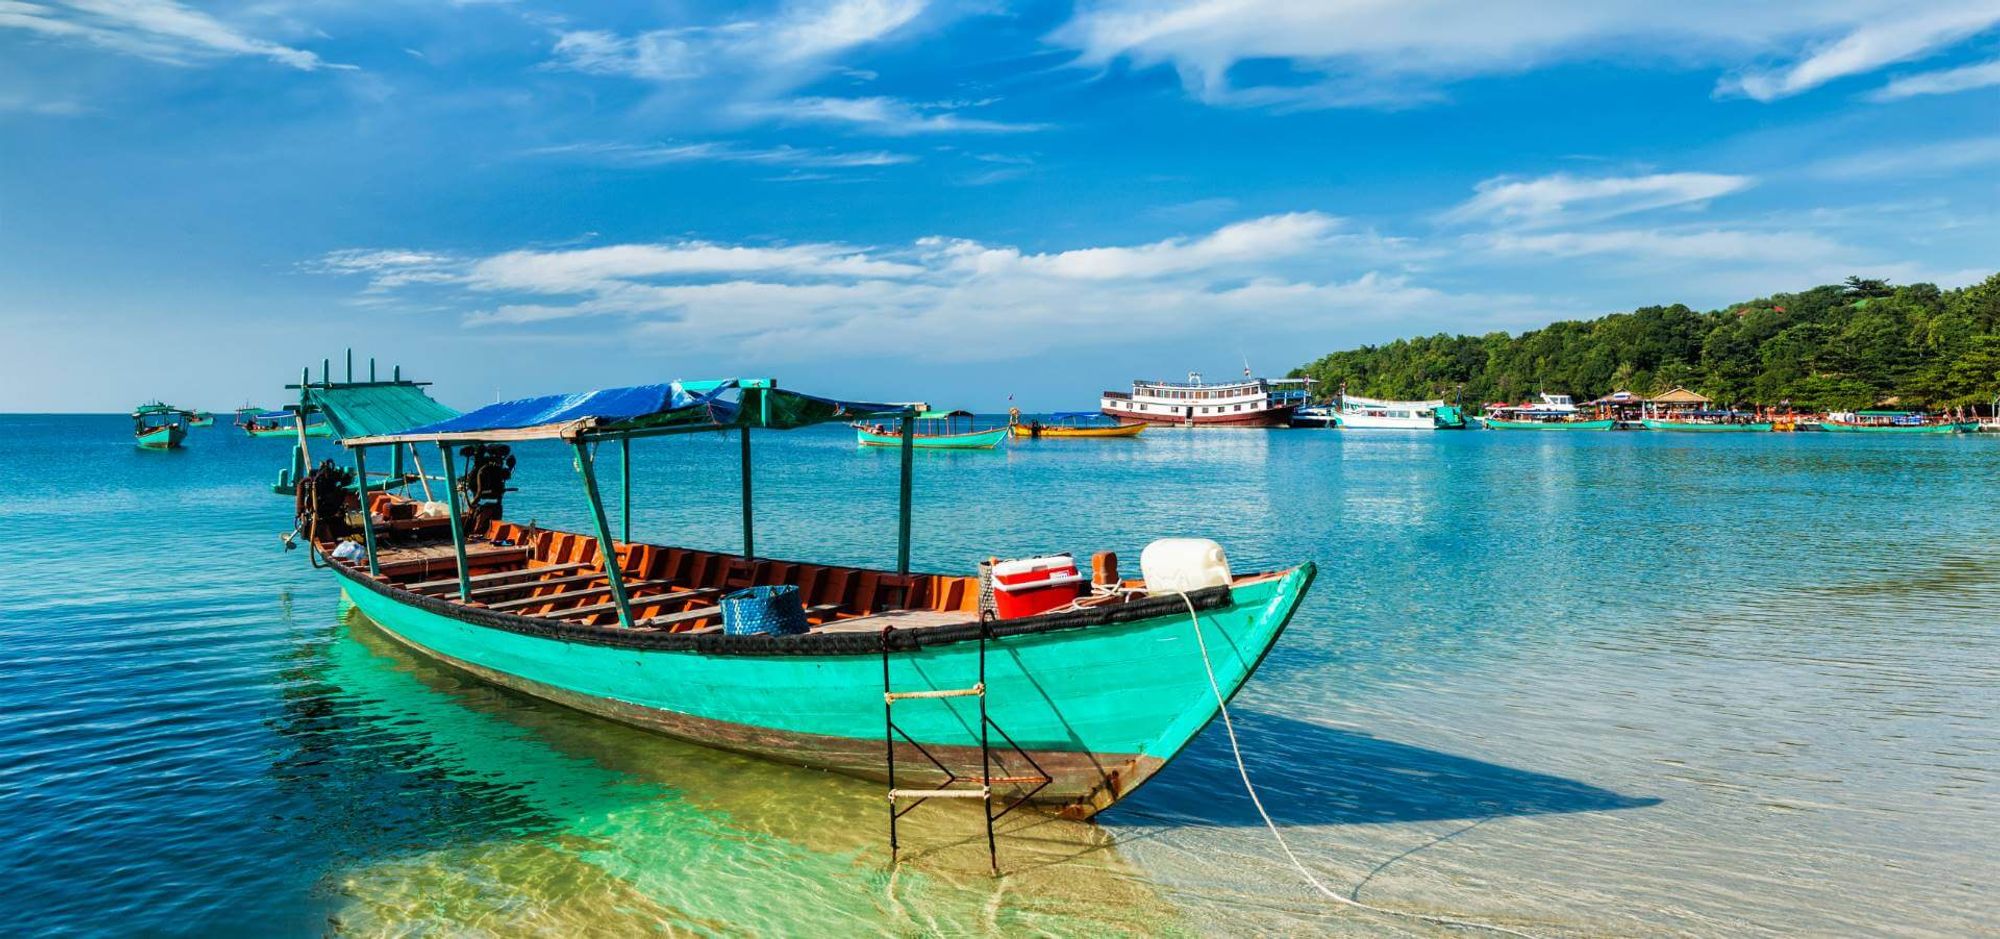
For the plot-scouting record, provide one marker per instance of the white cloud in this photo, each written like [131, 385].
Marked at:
[1948, 81]
[939, 294]
[1565, 198]
[628, 154]
[1913, 32]
[783, 52]
[160, 30]
[1927, 159]
[1366, 53]
[881, 115]
[1713, 245]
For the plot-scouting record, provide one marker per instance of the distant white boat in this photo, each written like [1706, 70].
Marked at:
[1358, 413]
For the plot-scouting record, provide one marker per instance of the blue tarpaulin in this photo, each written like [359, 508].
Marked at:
[644, 409]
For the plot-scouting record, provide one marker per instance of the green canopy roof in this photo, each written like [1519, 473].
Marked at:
[373, 408]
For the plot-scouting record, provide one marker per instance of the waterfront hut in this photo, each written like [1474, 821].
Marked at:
[1677, 402]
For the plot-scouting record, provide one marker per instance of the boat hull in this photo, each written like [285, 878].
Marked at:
[1692, 427]
[1494, 423]
[977, 440]
[1122, 430]
[1960, 427]
[1099, 708]
[315, 430]
[1270, 417]
[161, 438]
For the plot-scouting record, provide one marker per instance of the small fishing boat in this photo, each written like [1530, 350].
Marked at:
[1552, 412]
[888, 674]
[1706, 426]
[157, 426]
[935, 430]
[199, 418]
[281, 424]
[1894, 422]
[1068, 424]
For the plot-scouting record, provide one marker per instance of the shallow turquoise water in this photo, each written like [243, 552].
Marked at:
[1580, 684]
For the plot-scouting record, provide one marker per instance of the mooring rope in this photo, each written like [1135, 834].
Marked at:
[1235, 749]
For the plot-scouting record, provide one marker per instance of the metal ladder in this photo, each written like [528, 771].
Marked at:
[945, 790]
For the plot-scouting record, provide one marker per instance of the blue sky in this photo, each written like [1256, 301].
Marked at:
[958, 202]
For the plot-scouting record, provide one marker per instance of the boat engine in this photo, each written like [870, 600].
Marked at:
[319, 502]
[488, 467]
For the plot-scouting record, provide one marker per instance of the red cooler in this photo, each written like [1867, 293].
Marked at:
[1029, 586]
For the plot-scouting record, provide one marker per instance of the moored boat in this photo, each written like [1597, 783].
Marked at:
[1358, 413]
[1088, 699]
[935, 430]
[200, 418]
[281, 424]
[1552, 412]
[1698, 426]
[1072, 424]
[157, 426]
[1927, 427]
[1252, 402]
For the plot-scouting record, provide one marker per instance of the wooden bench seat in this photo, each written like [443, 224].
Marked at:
[676, 596]
[586, 593]
[521, 585]
[493, 578]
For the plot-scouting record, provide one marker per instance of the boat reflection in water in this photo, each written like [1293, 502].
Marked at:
[486, 806]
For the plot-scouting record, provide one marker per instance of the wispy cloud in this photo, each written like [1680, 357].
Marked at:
[1914, 32]
[788, 298]
[1369, 54]
[655, 154]
[1946, 82]
[888, 116]
[1563, 198]
[1709, 245]
[777, 54]
[159, 30]
[1928, 159]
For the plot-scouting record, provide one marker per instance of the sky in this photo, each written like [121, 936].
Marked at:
[952, 202]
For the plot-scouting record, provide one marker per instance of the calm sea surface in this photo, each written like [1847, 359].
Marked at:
[1581, 684]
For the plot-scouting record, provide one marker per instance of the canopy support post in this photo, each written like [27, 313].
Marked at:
[903, 507]
[749, 539]
[457, 522]
[367, 517]
[607, 550]
[625, 484]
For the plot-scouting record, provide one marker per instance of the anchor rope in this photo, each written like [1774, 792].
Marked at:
[1236, 750]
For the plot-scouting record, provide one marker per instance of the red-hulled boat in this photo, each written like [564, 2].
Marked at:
[1252, 402]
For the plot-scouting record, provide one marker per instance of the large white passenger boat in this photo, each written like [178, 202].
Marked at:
[1357, 413]
[1252, 402]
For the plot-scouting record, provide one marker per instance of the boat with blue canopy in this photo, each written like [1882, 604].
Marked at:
[1068, 424]
[885, 673]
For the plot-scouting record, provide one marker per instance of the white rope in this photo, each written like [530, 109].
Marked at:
[1237, 751]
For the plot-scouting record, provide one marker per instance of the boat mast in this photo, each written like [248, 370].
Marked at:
[607, 550]
[367, 515]
[749, 540]
[903, 507]
[457, 523]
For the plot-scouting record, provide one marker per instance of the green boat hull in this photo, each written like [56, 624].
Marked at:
[1689, 427]
[1961, 427]
[976, 440]
[313, 430]
[161, 438]
[1494, 423]
[1099, 708]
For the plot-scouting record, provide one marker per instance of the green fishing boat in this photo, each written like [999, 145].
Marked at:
[199, 418]
[157, 426]
[1495, 423]
[934, 430]
[1653, 423]
[889, 674]
[282, 424]
[1947, 427]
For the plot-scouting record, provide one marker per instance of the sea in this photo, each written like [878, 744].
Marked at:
[1572, 684]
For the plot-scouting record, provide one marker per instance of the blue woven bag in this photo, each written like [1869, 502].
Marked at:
[764, 611]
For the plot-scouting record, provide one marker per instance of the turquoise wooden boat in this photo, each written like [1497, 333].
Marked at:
[157, 426]
[1494, 423]
[1699, 427]
[935, 430]
[1092, 700]
[1949, 427]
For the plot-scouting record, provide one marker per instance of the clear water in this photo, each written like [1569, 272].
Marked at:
[1581, 684]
